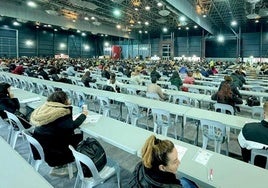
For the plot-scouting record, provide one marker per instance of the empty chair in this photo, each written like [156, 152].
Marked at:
[173, 87]
[15, 128]
[104, 106]
[97, 178]
[16, 82]
[69, 94]
[258, 89]
[216, 131]
[259, 152]
[162, 122]
[33, 143]
[181, 100]
[31, 86]
[93, 85]
[40, 88]
[193, 90]
[224, 108]
[134, 113]
[132, 91]
[50, 90]
[79, 83]
[23, 84]
[152, 96]
[257, 110]
[74, 81]
[40, 77]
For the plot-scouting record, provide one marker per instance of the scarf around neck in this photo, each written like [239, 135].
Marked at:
[49, 112]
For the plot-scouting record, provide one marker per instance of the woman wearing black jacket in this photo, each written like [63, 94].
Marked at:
[158, 167]
[7, 100]
[55, 131]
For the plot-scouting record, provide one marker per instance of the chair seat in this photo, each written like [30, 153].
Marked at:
[106, 171]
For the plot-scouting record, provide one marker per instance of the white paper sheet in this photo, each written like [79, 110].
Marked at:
[93, 118]
[181, 151]
[202, 157]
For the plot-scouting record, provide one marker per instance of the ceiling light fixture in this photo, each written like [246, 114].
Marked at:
[31, 4]
[86, 18]
[136, 3]
[233, 23]
[159, 4]
[147, 8]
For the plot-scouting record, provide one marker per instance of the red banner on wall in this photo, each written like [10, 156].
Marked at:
[116, 52]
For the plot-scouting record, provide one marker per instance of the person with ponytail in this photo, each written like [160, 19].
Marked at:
[159, 166]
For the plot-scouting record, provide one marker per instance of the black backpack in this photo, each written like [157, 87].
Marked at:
[92, 148]
[253, 101]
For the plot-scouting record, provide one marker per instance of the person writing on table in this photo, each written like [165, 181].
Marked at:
[54, 129]
[255, 136]
[159, 166]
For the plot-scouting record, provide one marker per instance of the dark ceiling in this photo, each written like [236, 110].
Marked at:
[72, 13]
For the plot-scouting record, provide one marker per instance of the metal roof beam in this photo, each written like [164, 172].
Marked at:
[25, 13]
[188, 10]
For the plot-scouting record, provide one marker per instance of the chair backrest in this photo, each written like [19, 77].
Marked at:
[161, 117]
[81, 158]
[257, 110]
[34, 143]
[193, 90]
[31, 86]
[258, 89]
[23, 84]
[80, 84]
[12, 118]
[173, 87]
[93, 85]
[104, 105]
[74, 81]
[132, 91]
[40, 77]
[259, 152]
[152, 96]
[133, 109]
[224, 108]
[79, 97]
[182, 100]
[213, 130]
[50, 90]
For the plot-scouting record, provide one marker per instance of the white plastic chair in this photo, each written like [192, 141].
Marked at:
[182, 100]
[40, 77]
[173, 87]
[104, 107]
[134, 113]
[15, 129]
[216, 131]
[79, 83]
[34, 143]
[261, 152]
[152, 96]
[193, 90]
[131, 91]
[50, 90]
[258, 89]
[257, 110]
[97, 178]
[162, 121]
[225, 109]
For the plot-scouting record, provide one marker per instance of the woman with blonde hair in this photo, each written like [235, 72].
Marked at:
[159, 166]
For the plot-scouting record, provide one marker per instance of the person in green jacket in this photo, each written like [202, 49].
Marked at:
[176, 80]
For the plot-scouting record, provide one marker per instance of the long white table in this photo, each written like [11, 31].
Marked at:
[16, 172]
[227, 172]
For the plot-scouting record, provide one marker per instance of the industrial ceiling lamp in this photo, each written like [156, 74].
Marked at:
[136, 3]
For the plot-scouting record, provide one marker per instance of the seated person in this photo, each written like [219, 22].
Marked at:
[176, 79]
[155, 74]
[226, 96]
[136, 77]
[42, 73]
[7, 100]
[255, 136]
[229, 80]
[105, 72]
[154, 88]
[197, 75]
[19, 69]
[159, 166]
[114, 83]
[86, 79]
[54, 129]
[71, 70]
[189, 79]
